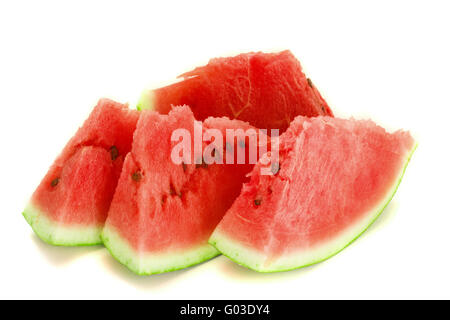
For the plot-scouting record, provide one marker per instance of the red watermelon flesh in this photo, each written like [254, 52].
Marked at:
[268, 90]
[334, 177]
[70, 205]
[163, 213]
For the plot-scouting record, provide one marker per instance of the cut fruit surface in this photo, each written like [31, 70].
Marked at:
[70, 205]
[268, 90]
[333, 178]
[164, 212]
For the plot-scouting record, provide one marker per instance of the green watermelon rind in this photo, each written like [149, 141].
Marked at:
[146, 101]
[61, 235]
[148, 264]
[249, 258]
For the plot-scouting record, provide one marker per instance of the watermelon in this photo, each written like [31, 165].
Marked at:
[268, 90]
[164, 212]
[70, 205]
[332, 179]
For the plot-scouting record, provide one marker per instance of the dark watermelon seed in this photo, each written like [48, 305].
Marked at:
[184, 166]
[54, 182]
[114, 152]
[172, 189]
[257, 202]
[310, 82]
[136, 176]
[323, 108]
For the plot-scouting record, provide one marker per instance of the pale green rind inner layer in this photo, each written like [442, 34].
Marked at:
[143, 263]
[146, 101]
[61, 235]
[257, 261]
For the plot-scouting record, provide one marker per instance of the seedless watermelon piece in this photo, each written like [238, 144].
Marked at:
[268, 90]
[163, 213]
[333, 179]
[70, 205]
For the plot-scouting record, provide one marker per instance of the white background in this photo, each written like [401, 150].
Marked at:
[387, 60]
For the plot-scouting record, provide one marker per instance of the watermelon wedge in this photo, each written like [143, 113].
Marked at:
[268, 90]
[70, 205]
[333, 179]
[163, 212]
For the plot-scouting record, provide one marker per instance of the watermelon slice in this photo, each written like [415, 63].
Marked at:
[163, 213]
[334, 177]
[70, 205]
[268, 90]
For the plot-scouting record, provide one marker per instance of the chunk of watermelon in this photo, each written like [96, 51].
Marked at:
[268, 90]
[163, 213]
[70, 205]
[334, 177]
